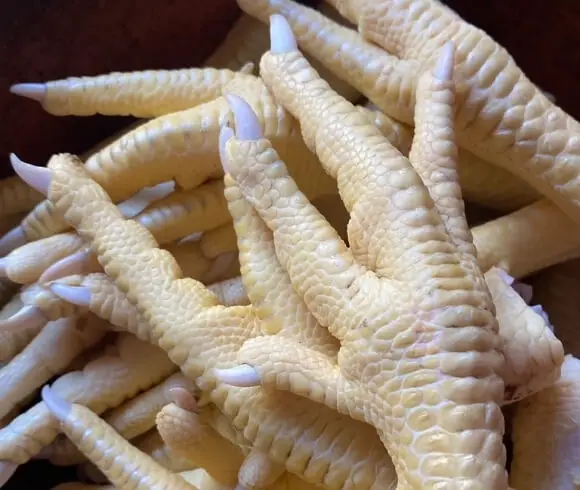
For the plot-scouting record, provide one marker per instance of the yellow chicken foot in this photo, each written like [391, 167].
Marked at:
[501, 115]
[272, 425]
[154, 446]
[98, 442]
[130, 420]
[143, 94]
[408, 289]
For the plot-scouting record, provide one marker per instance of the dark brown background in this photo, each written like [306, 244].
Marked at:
[42, 40]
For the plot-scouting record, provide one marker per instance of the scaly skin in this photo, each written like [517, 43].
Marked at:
[118, 374]
[204, 209]
[501, 115]
[408, 288]
[347, 55]
[191, 436]
[153, 445]
[546, 435]
[533, 354]
[100, 443]
[42, 223]
[78, 202]
[177, 140]
[268, 423]
[143, 94]
[131, 419]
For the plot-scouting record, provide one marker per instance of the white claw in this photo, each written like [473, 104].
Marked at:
[7, 469]
[57, 405]
[36, 177]
[77, 295]
[69, 266]
[27, 317]
[444, 66]
[34, 91]
[243, 376]
[247, 122]
[282, 38]
[12, 240]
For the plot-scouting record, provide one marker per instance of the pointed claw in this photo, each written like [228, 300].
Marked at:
[7, 469]
[77, 295]
[243, 376]
[34, 91]
[444, 66]
[247, 122]
[38, 178]
[12, 240]
[57, 405]
[282, 38]
[27, 317]
[69, 266]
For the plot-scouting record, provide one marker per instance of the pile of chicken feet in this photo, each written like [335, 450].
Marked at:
[270, 282]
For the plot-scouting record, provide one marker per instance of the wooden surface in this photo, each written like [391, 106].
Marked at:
[41, 40]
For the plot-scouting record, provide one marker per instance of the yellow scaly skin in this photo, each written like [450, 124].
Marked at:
[134, 90]
[501, 116]
[131, 419]
[78, 201]
[180, 146]
[204, 209]
[100, 443]
[420, 354]
[332, 449]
